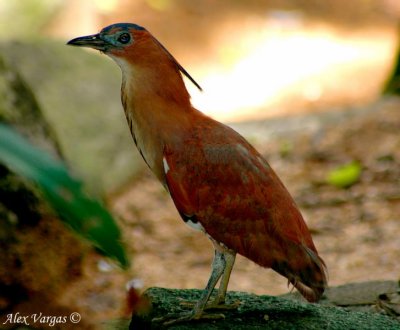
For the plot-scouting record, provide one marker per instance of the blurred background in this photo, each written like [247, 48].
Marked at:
[255, 58]
[302, 80]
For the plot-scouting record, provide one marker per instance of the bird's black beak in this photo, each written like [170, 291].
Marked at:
[93, 41]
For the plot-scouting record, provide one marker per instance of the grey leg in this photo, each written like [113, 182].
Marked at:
[223, 285]
[221, 266]
[218, 268]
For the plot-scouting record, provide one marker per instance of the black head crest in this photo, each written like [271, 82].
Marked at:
[180, 67]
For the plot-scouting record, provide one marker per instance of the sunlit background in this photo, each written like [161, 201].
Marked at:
[254, 58]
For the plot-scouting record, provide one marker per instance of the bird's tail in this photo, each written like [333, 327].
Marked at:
[306, 273]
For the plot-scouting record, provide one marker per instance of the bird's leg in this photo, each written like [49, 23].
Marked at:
[219, 300]
[218, 267]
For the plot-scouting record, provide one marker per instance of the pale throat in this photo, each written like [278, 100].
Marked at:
[124, 65]
[139, 112]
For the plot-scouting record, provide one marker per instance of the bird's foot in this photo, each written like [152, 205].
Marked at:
[175, 318]
[214, 304]
[197, 313]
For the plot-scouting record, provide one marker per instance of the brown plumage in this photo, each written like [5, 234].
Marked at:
[219, 183]
[221, 180]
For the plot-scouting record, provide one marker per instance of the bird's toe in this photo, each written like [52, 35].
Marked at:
[214, 304]
[221, 305]
[182, 317]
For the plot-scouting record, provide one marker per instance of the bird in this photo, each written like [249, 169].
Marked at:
[220, 184]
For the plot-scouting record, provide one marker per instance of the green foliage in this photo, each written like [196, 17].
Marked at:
[285, 148]
[345, 176]
[83, 214]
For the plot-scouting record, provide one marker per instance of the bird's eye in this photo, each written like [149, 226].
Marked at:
[124, 38]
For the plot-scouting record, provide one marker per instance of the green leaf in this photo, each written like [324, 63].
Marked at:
[345, 176]
[65, 193]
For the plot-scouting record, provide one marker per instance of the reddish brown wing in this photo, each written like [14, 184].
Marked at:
[220, 179]
[217, 178]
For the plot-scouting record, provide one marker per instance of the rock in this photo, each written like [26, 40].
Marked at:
[356, 295]
[19, 108]
[363, 296]
[78, 92]
[390, 303]
[259, 312]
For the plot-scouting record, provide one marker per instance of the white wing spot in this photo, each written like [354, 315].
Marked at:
[165, 164]
[195, 225]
